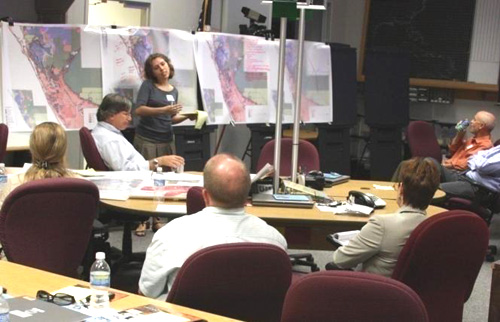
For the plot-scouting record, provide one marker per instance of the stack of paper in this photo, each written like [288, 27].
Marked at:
[344, 237]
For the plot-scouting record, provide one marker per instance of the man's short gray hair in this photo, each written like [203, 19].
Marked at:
[113, 104]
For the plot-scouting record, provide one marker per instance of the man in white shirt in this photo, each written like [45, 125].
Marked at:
[226, 187]
[117, 153]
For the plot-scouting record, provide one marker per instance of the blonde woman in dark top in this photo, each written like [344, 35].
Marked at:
[48, 145]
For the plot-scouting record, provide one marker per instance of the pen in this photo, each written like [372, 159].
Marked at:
[85, 305]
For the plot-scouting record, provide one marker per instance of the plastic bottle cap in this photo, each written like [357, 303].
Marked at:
[100, 255]
[159, 170]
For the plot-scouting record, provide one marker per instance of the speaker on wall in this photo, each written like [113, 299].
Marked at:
[387, 81]
[343, 60]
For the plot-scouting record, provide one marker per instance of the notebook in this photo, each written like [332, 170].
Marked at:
[30, 310]
[333, 178]
[276, 200]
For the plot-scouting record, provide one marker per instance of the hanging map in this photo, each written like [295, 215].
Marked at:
[125, 50]
[47, 75]
[54, 73]
[233, 72]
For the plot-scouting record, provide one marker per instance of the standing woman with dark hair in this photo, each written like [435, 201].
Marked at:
[157, 108]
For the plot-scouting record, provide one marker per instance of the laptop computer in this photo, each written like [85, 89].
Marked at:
[30, 310]
[285, 200]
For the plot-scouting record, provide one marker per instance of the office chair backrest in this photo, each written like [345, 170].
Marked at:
[246, 281]
[353, 297]
[422, 140]
[4, 135]
[47, 223]
[308, 156]
[90, 151]
[194, 200]
[441, 259]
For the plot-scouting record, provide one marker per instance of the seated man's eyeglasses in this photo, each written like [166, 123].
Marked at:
[58, 298]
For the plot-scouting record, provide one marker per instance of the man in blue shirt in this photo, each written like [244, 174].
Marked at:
[484, 169]
[117, 153]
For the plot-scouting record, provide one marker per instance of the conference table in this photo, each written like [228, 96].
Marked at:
[303, 228]
[20, 280]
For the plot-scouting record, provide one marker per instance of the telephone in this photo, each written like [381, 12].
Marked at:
[366, 199]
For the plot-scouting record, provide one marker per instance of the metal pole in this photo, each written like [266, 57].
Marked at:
[279, 108]
[298, 96]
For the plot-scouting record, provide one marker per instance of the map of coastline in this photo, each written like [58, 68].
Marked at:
[315, 84]
[241, 68]
[52, 51]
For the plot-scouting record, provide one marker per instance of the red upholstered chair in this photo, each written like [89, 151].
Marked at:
[353, 297]
[4, 135]
[485, 204]
[47, 223]
[308, 156]
[194, 200]
[246, 281]
[95, 162]
[441, 259]
[90, 151]
[422, 140]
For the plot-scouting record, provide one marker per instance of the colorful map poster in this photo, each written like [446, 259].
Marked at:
[233, 72]
[124, 51]
[46, 76]
[54, 73]
[316, 94]
[316, 98]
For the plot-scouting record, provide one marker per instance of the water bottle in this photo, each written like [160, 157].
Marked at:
[158, 183]
[3, 176]
[100, 280]
[4, 308]
[462, 125]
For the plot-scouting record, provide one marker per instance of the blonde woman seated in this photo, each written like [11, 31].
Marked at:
[380, 241]
[48, 150]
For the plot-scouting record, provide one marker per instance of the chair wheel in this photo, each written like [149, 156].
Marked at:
[490, 258]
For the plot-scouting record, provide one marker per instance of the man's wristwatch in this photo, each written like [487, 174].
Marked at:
[155, 163]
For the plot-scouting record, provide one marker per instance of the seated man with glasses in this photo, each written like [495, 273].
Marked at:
[117, 153]
[380, 241]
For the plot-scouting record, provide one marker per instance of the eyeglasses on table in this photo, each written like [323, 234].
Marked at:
[58, 298]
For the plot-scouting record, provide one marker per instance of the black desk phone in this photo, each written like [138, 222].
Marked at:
[366, 199]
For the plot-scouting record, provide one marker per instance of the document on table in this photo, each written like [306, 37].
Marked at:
[381, 187]
[115, 188]
[176, 186]
[151, 312]
[172, 209]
